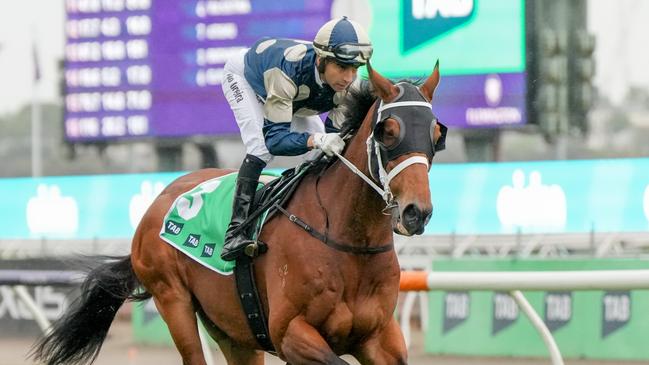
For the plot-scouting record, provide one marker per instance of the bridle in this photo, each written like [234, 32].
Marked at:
[376, 151]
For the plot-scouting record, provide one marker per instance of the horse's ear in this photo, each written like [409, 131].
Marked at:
[429, 86]
[383, 87]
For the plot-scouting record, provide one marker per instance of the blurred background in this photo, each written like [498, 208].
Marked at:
[105, 102]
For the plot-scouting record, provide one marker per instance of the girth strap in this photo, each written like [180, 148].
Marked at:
[331, 243]
[244, 272]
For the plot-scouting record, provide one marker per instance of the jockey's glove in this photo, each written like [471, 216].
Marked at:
[329, 143]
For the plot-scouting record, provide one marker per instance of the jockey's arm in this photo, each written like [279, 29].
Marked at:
[278, 113]
[280, 141]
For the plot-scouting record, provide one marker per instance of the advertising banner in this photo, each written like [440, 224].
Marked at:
[481, 48]
[540, 197]
[16, 318]
[469, 199]
[585, 324]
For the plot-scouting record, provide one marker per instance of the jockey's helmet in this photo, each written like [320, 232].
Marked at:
[344, 40]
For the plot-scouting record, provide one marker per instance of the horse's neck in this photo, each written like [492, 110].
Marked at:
[353, 208]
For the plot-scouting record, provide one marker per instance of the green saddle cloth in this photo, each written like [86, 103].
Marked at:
[197, 221]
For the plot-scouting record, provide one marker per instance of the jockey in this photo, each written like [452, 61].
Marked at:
[276, 90]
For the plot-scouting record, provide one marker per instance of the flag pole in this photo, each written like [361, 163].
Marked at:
[36, 148]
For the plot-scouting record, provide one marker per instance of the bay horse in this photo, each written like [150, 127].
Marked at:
[320, 302]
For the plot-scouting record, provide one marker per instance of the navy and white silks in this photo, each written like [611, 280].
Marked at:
[276, 94]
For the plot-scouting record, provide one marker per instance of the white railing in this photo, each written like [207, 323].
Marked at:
[514, 282]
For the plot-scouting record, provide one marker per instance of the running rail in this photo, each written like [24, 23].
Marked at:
[514, 283]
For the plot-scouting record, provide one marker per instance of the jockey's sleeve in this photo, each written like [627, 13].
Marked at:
[280, 141]
[278, 113]
[280, 92]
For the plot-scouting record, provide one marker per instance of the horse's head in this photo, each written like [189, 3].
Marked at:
[405, 136]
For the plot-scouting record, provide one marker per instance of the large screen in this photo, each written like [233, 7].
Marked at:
[139, 68]
[481, 48]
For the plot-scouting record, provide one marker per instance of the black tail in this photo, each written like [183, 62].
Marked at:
[78, 335]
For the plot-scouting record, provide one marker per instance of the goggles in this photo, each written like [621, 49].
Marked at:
[348, 51]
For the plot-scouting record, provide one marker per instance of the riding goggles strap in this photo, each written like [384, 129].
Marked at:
[348, 51]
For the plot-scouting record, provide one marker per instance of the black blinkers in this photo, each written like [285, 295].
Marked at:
[416, 126]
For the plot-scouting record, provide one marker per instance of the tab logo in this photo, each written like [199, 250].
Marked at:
[208, 250]
[457, 306]
[173, 228]
[193, 240]
[424, 20]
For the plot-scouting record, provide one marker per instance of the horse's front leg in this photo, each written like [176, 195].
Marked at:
[302, 344]
[385, 348]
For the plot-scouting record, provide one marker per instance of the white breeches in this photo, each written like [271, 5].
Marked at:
[249, 110]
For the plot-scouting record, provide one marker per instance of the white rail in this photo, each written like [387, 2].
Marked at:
[514, 282]
[540, 280]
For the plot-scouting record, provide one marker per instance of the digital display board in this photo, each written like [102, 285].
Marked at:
[140, 68]
[144, 68]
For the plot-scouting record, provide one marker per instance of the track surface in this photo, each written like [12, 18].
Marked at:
[120, 349]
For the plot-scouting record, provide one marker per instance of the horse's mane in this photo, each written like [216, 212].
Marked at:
[359, 101]
[356, 105]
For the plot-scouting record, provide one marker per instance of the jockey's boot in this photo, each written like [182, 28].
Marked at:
[244, 196]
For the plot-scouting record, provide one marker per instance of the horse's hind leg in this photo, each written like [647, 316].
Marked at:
[176, 308]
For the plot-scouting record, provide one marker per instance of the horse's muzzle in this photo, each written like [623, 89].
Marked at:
[413, 220]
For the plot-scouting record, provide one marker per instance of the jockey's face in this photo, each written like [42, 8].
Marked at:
[339, 75]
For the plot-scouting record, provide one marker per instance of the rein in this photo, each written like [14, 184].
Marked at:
[331, 243]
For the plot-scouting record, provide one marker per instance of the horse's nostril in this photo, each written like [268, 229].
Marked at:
[411, 214]
[415, 219]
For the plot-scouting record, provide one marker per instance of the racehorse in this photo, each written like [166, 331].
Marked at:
[320, 301]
